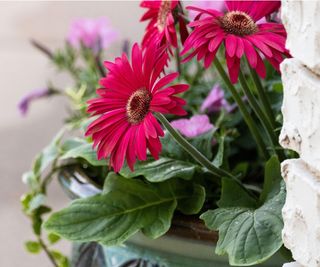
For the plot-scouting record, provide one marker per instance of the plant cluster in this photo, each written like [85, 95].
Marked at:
[187, 122]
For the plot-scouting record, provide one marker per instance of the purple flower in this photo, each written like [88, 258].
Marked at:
[215, 101]
[216, 5]
[195, 126]
[95, 34]
[25, 101]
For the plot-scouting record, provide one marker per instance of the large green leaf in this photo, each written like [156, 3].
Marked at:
[125, 207]
[248, 233]
[161, 170]
[80, 148]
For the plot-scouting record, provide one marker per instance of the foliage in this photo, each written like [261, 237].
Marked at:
[130, 205]
[244, 233]
[247, 213]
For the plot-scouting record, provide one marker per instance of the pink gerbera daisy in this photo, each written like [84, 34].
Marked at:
[241, 33]
[161, 28]
[130, 93]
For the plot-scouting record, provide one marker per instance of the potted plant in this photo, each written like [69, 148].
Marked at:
[176, 153]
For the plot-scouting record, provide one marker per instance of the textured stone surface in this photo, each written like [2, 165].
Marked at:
[301, 131]
[301, 213]
[301, 111]
[302, 20]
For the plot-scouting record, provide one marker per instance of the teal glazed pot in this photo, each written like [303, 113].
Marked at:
[187, 244]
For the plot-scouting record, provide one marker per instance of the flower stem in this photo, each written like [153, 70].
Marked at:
[245, 113]
[262, 96]
[217, 172]
[100, 65]
[178, 59]
[42, 48]
[48, 253]
[260, 114]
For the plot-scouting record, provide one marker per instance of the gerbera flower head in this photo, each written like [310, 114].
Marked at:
[163, 16]
[242, 32]
[126, 126]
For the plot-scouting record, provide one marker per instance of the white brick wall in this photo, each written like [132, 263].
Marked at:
[301, 131]
[302, 19]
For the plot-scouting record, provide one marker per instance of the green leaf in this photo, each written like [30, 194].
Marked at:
[248, 234]
[53, 238]
[36, 201]
[31, 180]
[161, 170]
[219, 157]
[79, 148]
[194, 203]
[25, 202]
[51, 152]
[125, 207]
[233, 195]
[204, 143]
[37, 165]
[171, 149]
[272, 176]
[36, 217]
[33, 247]
[241, 170]
[61, 260]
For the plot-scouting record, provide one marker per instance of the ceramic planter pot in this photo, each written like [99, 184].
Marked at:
[187, 244]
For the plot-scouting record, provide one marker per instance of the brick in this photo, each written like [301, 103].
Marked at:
[302, 20]
[301, 111]
[292, 264]
[301, 213]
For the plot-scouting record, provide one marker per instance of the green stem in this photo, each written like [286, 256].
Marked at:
[48, 253]
[245, 113]
[217, 172]
[262, 96]
[260, 114]
[191, 149]
[99, 65]
[178, 59]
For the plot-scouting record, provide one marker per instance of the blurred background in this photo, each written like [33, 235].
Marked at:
[22, 68]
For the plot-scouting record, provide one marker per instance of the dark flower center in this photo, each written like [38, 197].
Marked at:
[238, 23]
[164, 10]
[138, 106]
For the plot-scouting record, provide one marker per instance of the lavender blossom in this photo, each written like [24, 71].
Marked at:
[215, 101]
[26, 100]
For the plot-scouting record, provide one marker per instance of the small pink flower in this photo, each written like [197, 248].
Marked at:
[215, 101]
[95, 34]
[195, 126]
